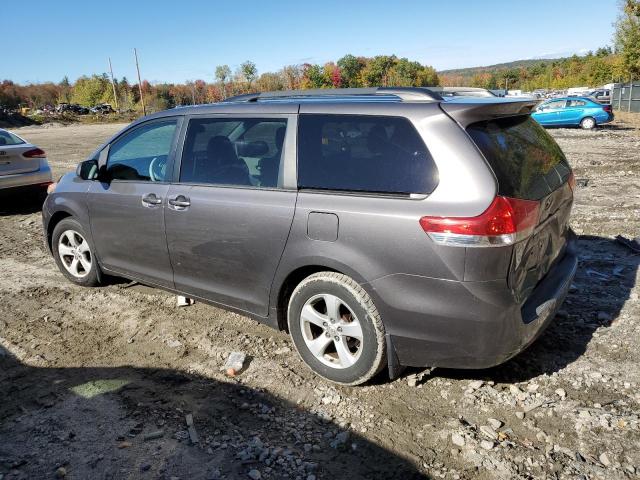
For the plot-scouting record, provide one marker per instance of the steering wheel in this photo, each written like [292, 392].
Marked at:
[158, 168]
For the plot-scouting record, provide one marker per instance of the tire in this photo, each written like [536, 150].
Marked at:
[588, 123]
[73, 252]
[334, 306]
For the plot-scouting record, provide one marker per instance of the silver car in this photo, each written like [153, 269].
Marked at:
[382, 227]
[22, 164]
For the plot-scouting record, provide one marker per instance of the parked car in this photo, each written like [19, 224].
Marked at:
[102, 109]
[382, 227]
[601, 95]
[22, 164]
[572, 112]
[73, 108]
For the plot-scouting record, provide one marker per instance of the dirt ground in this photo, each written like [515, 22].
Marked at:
[102, 383]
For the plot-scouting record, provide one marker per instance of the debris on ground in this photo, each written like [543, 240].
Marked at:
[234, 363]
[193, 435]
[182, 301]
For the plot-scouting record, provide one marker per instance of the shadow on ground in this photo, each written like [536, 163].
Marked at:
[604, 281]
[21, 201]
[96, 422]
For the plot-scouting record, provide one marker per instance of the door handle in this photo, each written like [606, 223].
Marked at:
[151, 199]
[179, 201]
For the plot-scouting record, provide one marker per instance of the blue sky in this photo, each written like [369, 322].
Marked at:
[186, 39]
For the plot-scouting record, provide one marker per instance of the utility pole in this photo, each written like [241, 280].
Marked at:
[144, 109]
[113, 84]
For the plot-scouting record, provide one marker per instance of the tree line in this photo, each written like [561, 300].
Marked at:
[594, 69]
[348, 71]
[605, 65]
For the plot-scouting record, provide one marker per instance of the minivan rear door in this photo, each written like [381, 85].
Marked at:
[529, 165]
[229, 213]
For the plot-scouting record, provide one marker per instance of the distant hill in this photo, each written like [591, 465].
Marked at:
[471, 71]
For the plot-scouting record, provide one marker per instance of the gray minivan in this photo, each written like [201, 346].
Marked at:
[382, 227]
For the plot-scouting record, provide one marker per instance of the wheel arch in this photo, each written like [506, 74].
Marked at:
[592, 117]
[287, 282]
[55, 219]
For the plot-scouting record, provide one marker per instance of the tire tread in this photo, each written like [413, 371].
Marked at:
[367, 304]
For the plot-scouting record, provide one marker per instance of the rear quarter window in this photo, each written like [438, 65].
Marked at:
[8, 138]
[526, 160]
[362, 153]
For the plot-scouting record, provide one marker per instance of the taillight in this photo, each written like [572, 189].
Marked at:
[35, 153]
[607, 108]
[506, 221]
[572, 182]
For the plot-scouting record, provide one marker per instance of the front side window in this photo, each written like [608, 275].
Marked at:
[363, 153]
[142, 154]
[244, 152]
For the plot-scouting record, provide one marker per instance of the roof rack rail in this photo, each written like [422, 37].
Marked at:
[405, 94]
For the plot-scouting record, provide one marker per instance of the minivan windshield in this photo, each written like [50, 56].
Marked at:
[526, 160]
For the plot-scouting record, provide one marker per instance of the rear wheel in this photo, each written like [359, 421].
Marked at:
[588, 123]
[73, 253]
[336, 328]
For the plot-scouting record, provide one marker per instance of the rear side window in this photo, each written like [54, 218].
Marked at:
[361, 153]
[576, 103]
[8, 138]
[526, 160]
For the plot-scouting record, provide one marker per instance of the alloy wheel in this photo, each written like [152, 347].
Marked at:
[75, 253]
[331, 331]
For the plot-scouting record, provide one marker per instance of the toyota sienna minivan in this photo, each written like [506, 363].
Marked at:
[382, 227]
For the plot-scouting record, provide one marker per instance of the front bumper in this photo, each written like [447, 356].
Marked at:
[42, 176]
[440, 323]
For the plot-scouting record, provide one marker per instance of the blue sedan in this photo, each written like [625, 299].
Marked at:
[572, 112]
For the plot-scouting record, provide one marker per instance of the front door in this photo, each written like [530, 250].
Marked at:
[127, 205]
[548, 113]
[229, 215]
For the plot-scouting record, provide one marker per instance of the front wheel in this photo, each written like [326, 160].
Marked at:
[336, 328]
[588, 123]
[73, 253]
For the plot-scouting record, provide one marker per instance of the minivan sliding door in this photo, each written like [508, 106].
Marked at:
[229, 215]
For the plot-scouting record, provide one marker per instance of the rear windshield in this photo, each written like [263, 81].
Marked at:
[8, 138]
[362, 153]
[526, 160]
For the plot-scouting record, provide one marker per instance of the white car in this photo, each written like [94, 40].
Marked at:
[22, 164]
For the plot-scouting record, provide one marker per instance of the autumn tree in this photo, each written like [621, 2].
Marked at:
[249, 72]
[350, 68]
[627, 36]
[223, 73]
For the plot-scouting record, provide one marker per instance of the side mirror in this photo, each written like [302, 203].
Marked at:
[88, 170]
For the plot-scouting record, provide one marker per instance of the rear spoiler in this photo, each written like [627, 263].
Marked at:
[466, 112]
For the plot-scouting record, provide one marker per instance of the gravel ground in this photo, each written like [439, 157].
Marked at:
[117, 382]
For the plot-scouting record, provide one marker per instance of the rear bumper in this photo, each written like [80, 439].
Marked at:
[452, 324]
[42, 176]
